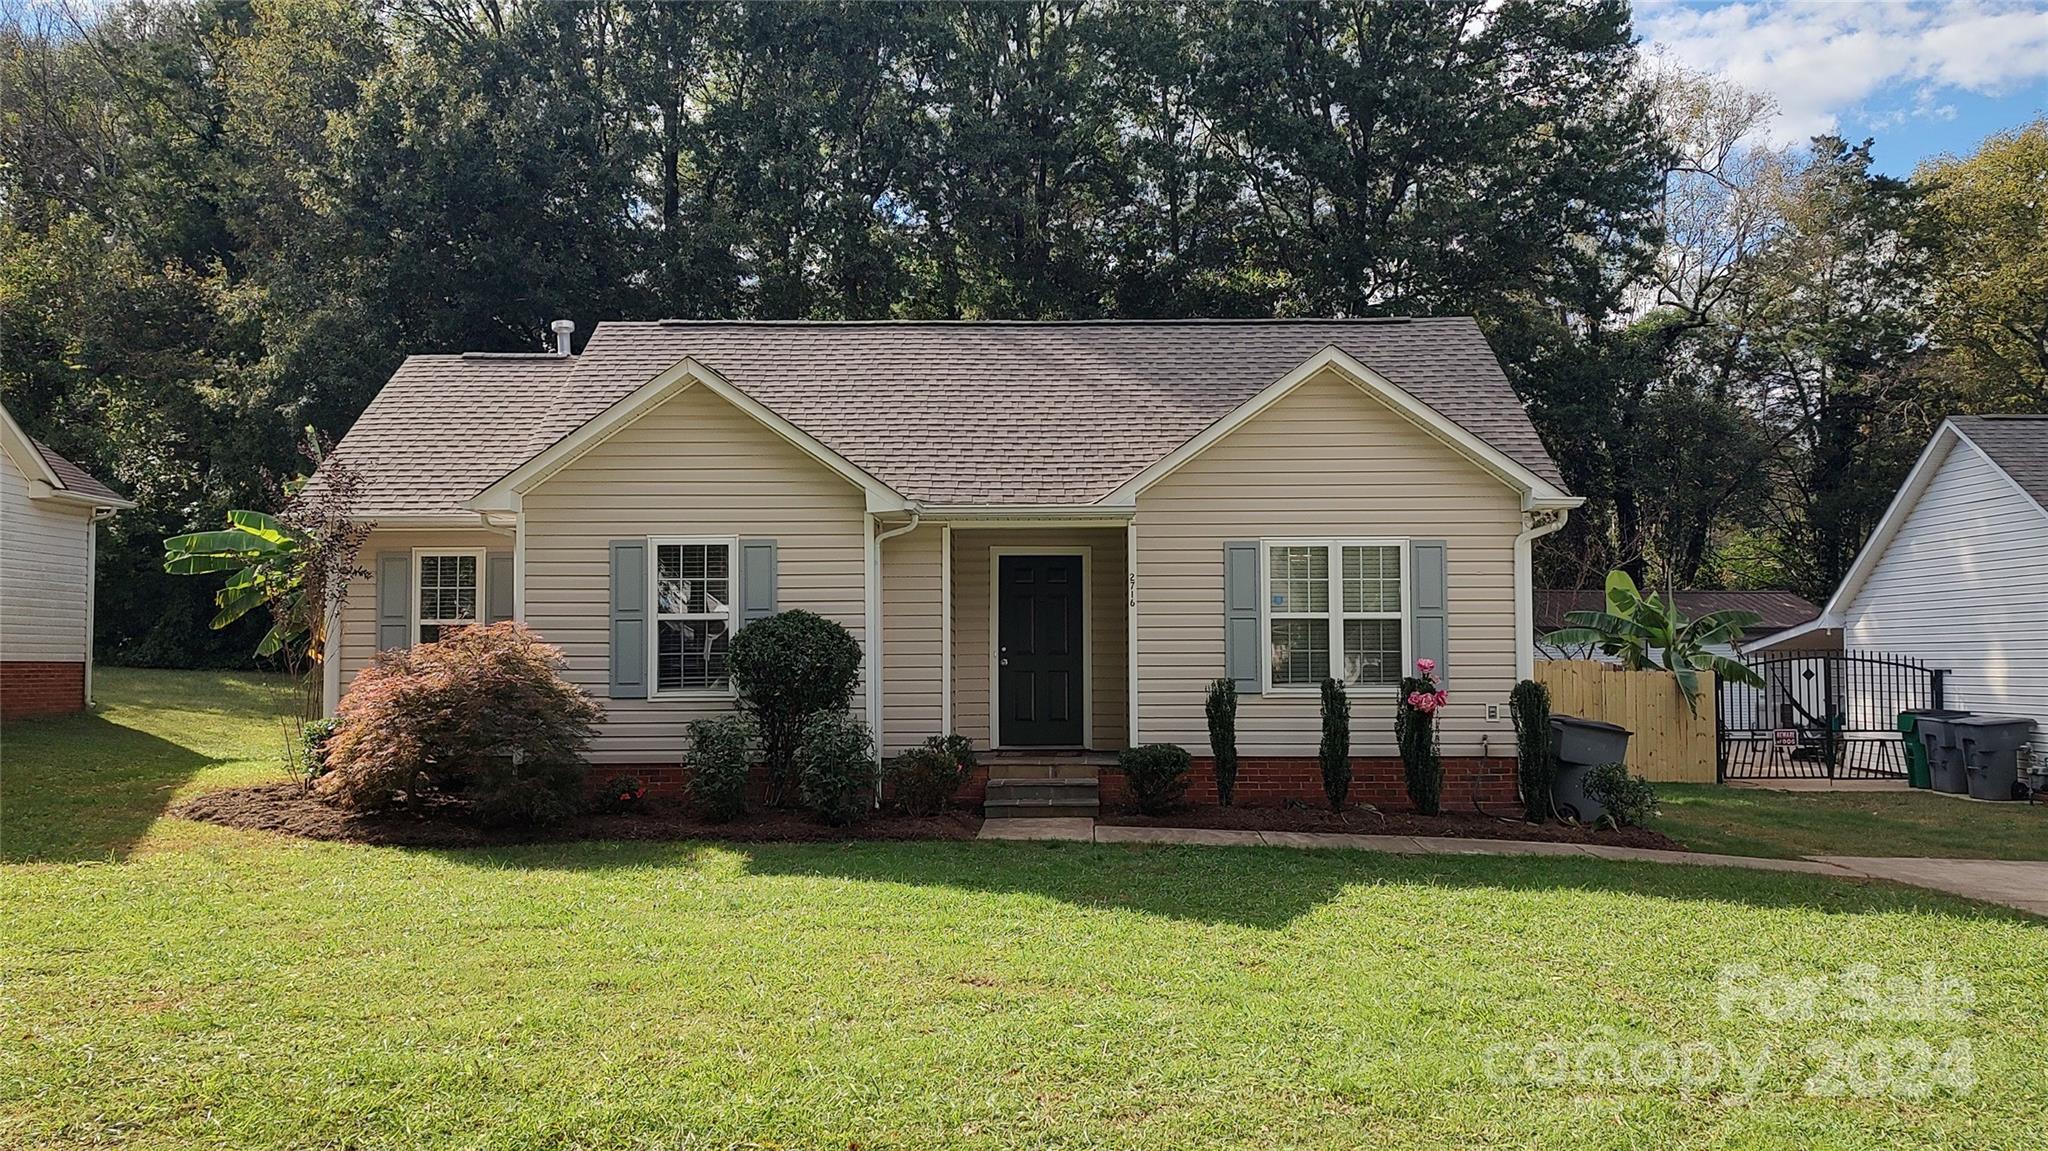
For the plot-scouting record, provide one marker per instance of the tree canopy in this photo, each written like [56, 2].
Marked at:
[222, 221]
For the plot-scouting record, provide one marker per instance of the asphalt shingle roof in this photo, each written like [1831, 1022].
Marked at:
[1780, 609]
[75, 478]
[445, 427]
[946, 413]
[2017, 444]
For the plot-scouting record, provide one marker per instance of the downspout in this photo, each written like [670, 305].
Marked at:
[1539, 524]
[874, 621]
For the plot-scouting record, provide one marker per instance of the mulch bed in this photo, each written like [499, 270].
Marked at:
[1372, 821]
[286, 809]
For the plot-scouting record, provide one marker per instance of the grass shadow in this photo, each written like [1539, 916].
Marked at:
[81, 787]
[1254, 887]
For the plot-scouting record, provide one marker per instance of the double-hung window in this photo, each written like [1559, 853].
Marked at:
[448, 591]
[1335, 608]
[693, 616]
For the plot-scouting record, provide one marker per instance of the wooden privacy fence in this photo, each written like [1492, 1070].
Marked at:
[1668, 744]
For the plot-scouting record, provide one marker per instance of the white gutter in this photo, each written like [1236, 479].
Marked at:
[1525, 590]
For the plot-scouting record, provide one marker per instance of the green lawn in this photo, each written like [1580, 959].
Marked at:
[167, 984]
[1747, 821]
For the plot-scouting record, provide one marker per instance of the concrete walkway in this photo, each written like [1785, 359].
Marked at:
[2023, 885]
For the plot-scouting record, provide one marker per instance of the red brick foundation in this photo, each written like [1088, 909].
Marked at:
[30, 689]
[1272, 782]
[1261, 782]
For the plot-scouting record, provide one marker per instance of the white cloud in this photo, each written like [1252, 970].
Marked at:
[1824, 61]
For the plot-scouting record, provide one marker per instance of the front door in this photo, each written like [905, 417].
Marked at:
[1038, 655]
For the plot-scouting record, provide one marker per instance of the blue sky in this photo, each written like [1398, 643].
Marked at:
[1923, 78]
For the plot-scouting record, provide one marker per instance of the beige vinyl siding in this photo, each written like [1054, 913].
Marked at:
[694, 466]
[1963, 585]
[1108, 632]
[913, 681]
[45, 574]
[1326, 461]
[359, 611]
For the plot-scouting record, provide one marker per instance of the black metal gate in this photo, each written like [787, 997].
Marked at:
[1821, 715]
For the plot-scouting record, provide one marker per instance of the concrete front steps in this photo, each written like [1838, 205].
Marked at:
[1043, 786]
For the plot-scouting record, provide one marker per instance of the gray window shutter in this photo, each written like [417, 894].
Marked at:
[394, 600]
[498, 587]
[1429, 598]
[1241, 614]
[757, 580]
[629, 619]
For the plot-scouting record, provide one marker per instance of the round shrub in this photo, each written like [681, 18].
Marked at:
[481, 709]
[718, 766]
[956, 745]
[1629, 799]
[836, 769]
[924, 779]
[787, 668]
[1156, 773]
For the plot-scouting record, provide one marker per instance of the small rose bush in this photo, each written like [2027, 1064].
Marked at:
[1422, 762]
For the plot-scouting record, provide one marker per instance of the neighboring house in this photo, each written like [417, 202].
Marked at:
[1956, 573]
[1045, 535]
[49, 509]
[1779, 609]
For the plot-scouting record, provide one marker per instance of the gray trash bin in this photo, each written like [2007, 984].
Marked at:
[1944, 754]
[1581, 745]
[1990, 746]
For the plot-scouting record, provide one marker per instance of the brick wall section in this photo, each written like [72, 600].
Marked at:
[31, 689]
[1263, 782]
[1260, 783]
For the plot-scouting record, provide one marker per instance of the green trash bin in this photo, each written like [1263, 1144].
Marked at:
[1917, 772]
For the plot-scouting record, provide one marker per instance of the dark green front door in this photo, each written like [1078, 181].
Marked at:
[1039, 657]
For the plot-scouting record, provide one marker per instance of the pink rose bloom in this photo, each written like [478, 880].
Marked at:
[1425, 666]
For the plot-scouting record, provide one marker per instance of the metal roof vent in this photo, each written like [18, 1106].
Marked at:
[563, 329]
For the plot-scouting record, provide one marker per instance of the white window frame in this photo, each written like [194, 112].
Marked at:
[483, 601]
[655, 619]
[1336, 614]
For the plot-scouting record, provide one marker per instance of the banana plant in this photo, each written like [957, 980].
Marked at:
[266, 559]
[1646, 634]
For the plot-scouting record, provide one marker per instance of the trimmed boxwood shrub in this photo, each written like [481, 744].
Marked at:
[788, 668]
[718, 766]
[1157, 774]
[923, 779]
[1629, 799]
[836, 769]
[1335, 751]
[481, 711]
[1530, 705]
[1222, 709]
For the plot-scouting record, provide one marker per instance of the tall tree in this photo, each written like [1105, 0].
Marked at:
[1989, 213]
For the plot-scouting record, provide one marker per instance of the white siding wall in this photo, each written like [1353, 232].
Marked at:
[1964, 585]
[696, 465]
[45, 574]
[1326, 461]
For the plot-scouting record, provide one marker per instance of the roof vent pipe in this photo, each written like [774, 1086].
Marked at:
[563, 329]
